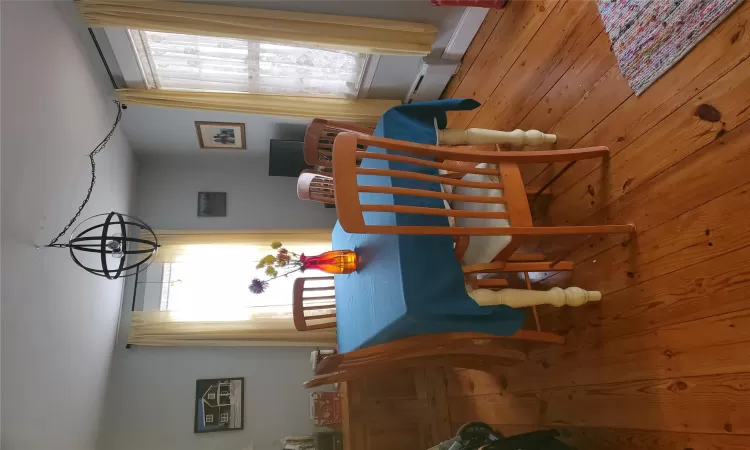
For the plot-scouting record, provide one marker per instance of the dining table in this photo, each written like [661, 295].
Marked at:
[408, 285]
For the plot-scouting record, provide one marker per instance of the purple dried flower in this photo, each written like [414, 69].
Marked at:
[258, 286]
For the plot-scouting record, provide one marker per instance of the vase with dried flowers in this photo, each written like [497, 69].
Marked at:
[286, 262]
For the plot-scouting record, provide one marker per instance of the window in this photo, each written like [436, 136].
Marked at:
[224, 418]
[210, 283]
[206, 63]
[212, 396]
[209, 418]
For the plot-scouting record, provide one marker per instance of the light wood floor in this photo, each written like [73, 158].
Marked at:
[663, 362]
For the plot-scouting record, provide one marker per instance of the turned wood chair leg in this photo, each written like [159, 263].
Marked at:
[480, 136]
[533, 307]
[502, 266]
[537, 336]
[527, 257]
[557, 176]
[522, 298]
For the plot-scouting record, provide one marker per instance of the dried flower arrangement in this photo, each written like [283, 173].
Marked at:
[276, 266]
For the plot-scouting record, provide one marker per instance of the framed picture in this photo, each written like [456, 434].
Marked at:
[219, 405]
[221, 135]
[212, 204]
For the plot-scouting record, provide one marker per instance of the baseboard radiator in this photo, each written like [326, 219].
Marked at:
[431, 80]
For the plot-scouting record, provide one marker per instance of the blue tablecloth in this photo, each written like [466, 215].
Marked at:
[408, 285]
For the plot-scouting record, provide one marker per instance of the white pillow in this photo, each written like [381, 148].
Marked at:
[482, 249]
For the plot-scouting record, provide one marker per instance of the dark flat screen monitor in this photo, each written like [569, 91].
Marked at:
[286, 159]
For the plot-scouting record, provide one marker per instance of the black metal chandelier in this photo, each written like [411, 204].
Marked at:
[106, 242]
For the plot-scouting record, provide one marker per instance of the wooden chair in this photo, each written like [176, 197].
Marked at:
[489, 199]
[319, 137]
[465, 350]
[317, 186]
[313, 303]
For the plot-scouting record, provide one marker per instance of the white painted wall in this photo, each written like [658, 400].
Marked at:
[58, 322]
[149, 400]
[150, 404]
[168, 194]
[155, 131]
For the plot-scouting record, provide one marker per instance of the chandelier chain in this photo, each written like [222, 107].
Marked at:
[100, 147]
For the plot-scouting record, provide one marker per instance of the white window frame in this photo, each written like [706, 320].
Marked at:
[122, 47]
[212, 396]
[209, 418]
[224, 418]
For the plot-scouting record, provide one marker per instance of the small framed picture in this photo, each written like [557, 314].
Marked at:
[212, 204]
[219, 405]
[219, 135]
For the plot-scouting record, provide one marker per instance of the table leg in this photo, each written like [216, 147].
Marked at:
[521, 298]
[478, 136]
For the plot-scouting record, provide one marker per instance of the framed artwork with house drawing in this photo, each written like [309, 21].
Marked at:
[219, 405]
[220, 135]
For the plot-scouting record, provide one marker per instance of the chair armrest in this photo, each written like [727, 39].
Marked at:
[462, 243]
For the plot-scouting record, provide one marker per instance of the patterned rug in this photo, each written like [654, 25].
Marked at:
[650, 36]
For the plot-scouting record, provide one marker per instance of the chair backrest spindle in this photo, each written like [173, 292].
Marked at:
[313, 303]
[319, 139]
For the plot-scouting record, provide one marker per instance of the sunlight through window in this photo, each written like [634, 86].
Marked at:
[210, 283]
[208, 63]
